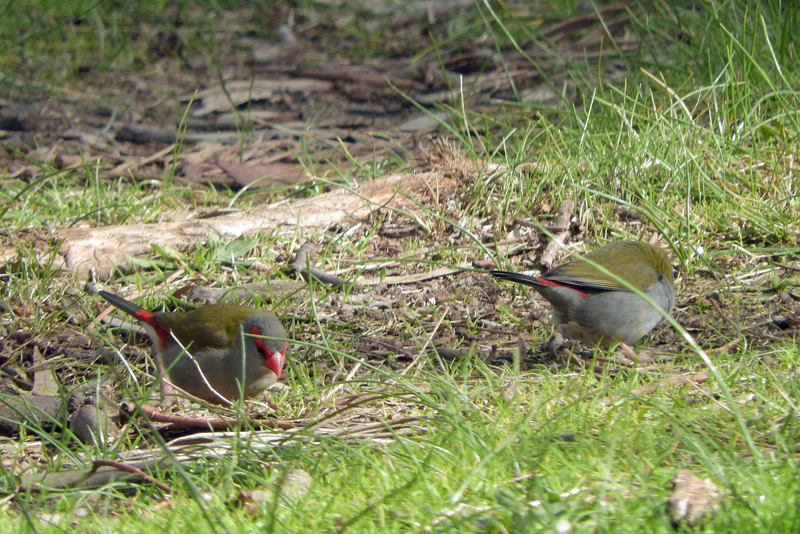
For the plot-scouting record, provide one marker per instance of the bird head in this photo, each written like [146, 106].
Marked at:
[266, 337]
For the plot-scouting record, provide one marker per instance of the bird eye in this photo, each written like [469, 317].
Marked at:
[261, 347]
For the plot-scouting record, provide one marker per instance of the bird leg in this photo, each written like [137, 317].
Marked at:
[165, 387]
[555, 344]
[631, 354]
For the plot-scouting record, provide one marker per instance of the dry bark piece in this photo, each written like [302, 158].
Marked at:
[264, 175]
[48, 411]
[142, 134]
[130, 165]
[101, 251]
[567, 28]
[594, 40]
[450, 354]
[562, 222]
[269, 290]
[92, 424]
[692, 499]
[132, 469]
[42, 411]
[97, 476]
[346, 74]
[238, 92]
[240, 120]
[416, 277]
[484, 264]
[44, 381]
[65, 161]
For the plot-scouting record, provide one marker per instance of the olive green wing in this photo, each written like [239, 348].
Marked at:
[208, 327]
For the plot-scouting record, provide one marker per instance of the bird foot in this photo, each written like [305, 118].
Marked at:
[169, 396]
[631, 355]
[555, 344]
[269, 402]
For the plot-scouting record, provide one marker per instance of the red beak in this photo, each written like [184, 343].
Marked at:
[275, 361]
[272, 359]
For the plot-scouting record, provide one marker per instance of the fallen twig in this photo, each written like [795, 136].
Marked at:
[652, 387]
[129, 469]
[177, 421]
[303, 261]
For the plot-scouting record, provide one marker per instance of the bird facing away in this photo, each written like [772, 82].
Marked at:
[231, 348]
[592, 307]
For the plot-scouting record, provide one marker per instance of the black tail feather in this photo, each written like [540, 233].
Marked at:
[516, 277]
[118, 302]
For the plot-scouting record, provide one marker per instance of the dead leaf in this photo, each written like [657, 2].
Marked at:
[265, 175]
[692, 498]
[238, 92]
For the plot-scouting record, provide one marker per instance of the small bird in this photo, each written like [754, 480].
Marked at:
[593, 307]
[232, 345]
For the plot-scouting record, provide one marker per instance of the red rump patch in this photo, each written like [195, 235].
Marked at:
[150, 319]
[553, 283]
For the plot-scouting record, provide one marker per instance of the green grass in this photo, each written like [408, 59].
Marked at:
[705, 149]
[498, 459]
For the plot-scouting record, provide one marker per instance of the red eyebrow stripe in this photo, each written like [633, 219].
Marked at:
[273, 360]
